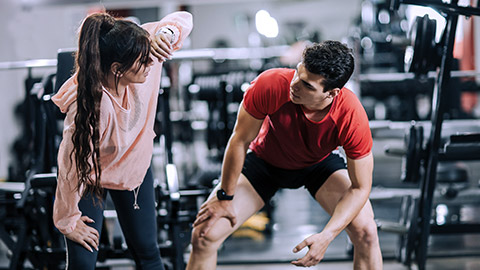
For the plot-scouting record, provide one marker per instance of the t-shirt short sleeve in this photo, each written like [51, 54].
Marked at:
[268, 92]
[354, 131]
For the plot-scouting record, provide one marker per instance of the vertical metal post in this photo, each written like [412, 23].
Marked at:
[440, 96]
[225, 134]
[167, 124]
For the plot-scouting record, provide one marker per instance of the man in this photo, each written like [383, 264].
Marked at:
[292, 120]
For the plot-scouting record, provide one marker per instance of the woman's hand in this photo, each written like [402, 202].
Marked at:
[161, 46]
[85, 235]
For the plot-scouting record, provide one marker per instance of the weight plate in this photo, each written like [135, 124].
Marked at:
[407, 242]
[420, 56]
[412, 160]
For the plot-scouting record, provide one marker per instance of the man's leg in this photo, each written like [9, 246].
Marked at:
[362, 230]
[204, 249]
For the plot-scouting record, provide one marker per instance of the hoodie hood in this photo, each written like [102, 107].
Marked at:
[66, 95]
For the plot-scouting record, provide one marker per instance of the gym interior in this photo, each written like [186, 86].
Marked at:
[415, 75]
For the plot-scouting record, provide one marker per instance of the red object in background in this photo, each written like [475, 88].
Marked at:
[465, 51]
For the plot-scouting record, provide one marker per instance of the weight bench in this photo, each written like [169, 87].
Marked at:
[26, 225]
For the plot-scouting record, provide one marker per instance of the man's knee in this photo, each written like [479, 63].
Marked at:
[364, 233]
[207, 242]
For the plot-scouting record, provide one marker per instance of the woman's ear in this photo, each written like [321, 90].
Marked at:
[114, 68]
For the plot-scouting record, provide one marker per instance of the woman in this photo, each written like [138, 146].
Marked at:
[110, 104]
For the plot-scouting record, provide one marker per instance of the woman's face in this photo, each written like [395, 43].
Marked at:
[137, 73]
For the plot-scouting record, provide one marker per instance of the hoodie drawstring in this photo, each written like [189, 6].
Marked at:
[135, 195]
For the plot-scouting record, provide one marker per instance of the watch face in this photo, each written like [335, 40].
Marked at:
[222, 195]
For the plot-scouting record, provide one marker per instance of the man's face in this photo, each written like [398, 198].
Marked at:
[306, 89]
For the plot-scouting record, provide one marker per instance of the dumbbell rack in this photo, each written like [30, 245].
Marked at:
[451, 12]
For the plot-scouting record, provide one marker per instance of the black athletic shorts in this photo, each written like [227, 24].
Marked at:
[267, 179]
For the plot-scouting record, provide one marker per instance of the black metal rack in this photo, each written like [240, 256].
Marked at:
[451, 12]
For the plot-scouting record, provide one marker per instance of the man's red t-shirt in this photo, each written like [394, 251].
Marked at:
[288, 139]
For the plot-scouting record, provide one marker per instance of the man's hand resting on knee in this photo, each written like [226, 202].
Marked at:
[317, 245]
[211, 211]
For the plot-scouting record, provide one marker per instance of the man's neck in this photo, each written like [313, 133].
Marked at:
[316, 114]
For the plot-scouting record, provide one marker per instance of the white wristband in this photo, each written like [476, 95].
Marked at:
[169, 32]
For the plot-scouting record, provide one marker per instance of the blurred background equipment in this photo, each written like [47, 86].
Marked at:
[414, 244]
[416, 76]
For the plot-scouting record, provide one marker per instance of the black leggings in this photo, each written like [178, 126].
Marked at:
[138, 226]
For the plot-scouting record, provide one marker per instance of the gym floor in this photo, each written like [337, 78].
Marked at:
[296, 215]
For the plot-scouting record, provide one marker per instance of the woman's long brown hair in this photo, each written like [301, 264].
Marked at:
[103, 40]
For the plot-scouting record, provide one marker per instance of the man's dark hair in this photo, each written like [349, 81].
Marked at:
[332, 60]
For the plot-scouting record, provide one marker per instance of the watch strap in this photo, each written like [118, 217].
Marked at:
[223, 196]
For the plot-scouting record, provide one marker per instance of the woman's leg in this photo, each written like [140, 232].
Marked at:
[77, 256]
[139, 226]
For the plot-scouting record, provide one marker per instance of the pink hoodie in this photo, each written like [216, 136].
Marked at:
[126, 134]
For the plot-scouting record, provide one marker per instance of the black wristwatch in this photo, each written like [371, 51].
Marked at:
[222, 195]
